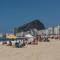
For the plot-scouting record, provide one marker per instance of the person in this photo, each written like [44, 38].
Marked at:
[10, 43]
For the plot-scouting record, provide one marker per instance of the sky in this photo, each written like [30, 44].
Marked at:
[14, 13]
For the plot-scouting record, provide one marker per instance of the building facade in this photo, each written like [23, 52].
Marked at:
[57, 30]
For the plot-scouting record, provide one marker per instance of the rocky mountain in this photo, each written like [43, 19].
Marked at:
[36, 24]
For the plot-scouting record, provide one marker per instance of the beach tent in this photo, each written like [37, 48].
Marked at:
[29, 37]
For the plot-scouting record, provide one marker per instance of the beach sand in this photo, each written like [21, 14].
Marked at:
[42, 51]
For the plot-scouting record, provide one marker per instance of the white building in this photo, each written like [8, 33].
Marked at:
[46, 32]
[1, 35]
[50, 30]
[57, 30]
[42, 32]
[20, 34]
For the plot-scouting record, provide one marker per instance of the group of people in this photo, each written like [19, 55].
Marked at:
[28, 40]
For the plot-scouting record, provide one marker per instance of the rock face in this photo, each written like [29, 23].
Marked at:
[36, 24]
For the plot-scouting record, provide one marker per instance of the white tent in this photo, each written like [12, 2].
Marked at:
[29, 37]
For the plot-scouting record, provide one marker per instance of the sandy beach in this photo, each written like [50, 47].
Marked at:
[42, 51]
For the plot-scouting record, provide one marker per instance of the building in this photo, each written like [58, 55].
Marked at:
[50, 30]
[1, 35]
[20, 34]
[57, 30]
[32, 32]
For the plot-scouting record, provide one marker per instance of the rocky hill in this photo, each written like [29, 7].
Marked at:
[36, 24]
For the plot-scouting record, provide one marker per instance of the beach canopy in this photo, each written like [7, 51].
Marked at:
[29, 36]
[11, 36]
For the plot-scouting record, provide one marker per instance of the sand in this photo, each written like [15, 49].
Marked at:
[42, 51]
